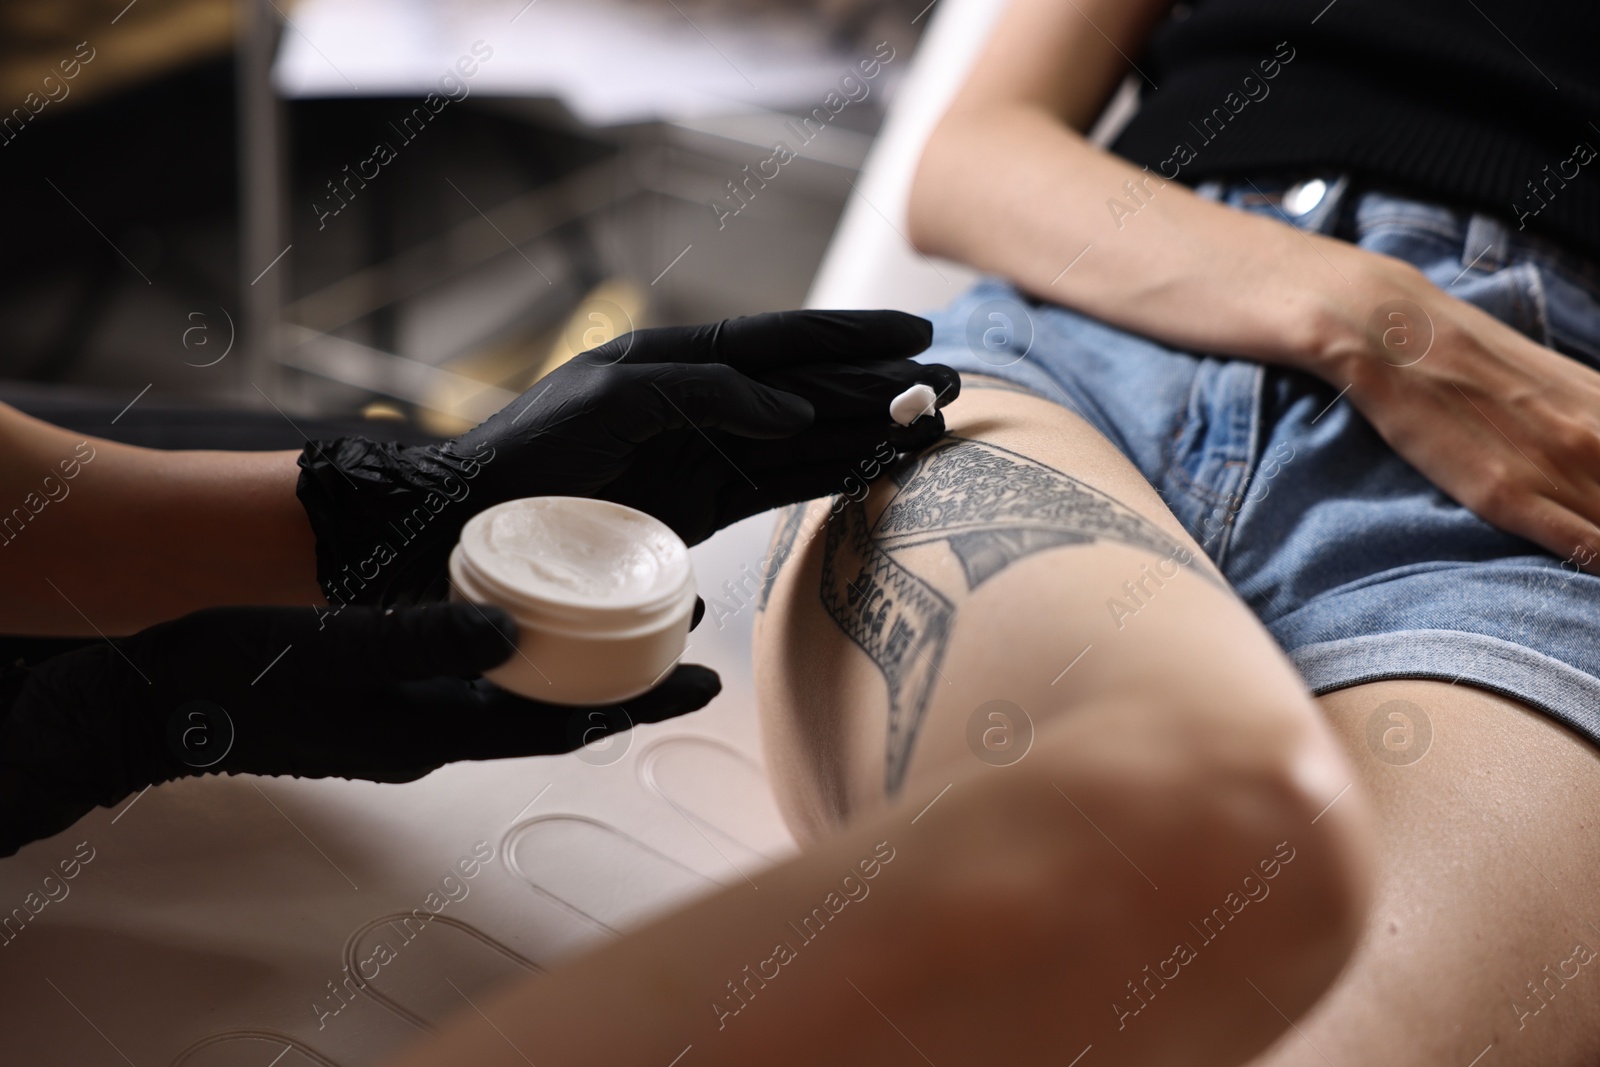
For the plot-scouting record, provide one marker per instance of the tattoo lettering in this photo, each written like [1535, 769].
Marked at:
[992, 507]
[898, 620]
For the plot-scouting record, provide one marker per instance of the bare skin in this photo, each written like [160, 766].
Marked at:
[1487, 860]
[100, 537]
[1027, 524]
[1488, 869]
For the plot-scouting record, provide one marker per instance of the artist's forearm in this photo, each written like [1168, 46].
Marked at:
[97, 536]
[1166, 263]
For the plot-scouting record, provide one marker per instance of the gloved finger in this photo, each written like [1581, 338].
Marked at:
[713, 397]
[777, 339]
[457, 639]
[506, 725]
[699, 613]
[689, 687]
[847, 391]
[791, 338]
[871, 443]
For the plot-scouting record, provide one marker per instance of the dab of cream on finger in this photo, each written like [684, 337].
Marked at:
[912, 404]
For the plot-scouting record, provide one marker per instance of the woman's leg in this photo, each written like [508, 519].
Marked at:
[1484, 932]
[1023, 580]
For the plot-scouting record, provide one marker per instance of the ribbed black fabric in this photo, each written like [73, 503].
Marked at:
[1488, 104]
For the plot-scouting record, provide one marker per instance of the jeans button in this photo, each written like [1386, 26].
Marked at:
[1303, 196]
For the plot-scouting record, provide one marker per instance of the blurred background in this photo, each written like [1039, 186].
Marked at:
[407, 211]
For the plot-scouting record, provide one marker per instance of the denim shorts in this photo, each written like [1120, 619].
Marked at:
[1358, 565]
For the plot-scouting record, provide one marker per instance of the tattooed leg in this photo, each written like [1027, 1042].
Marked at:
[1021, 560]
[990, 507]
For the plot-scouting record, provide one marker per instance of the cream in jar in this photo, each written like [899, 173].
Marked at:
[602, 595]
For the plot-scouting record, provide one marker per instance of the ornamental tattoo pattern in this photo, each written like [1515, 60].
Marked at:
[783, 539]
[996, 507]
[992, 507]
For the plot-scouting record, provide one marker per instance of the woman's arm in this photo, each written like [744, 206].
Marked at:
[1009, 184]
[97, 536]
[1509, 428]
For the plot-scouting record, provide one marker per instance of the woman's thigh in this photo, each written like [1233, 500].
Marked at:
[1484, 936]
[1020, 569]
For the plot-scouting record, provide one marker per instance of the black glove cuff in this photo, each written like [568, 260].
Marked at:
[385, 517]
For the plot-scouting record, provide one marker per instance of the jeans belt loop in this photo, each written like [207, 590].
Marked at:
[1487, 244]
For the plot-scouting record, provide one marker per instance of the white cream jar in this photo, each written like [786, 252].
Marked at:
[602, 595]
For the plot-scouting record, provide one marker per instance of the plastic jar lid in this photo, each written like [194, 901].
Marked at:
[574, 565]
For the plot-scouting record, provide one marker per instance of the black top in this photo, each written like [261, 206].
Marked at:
[1489, 104]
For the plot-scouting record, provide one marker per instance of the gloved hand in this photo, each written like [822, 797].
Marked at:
[360, 694]
[699, 426]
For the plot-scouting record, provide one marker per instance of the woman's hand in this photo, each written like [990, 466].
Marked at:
[1507, 427]
[700, 426]
[362, 693]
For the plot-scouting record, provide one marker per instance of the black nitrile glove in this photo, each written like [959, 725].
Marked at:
[358, 694]
[700, 426]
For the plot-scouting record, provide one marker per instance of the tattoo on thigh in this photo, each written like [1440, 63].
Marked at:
[992, 507]
[900, 621]
[783, 538]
